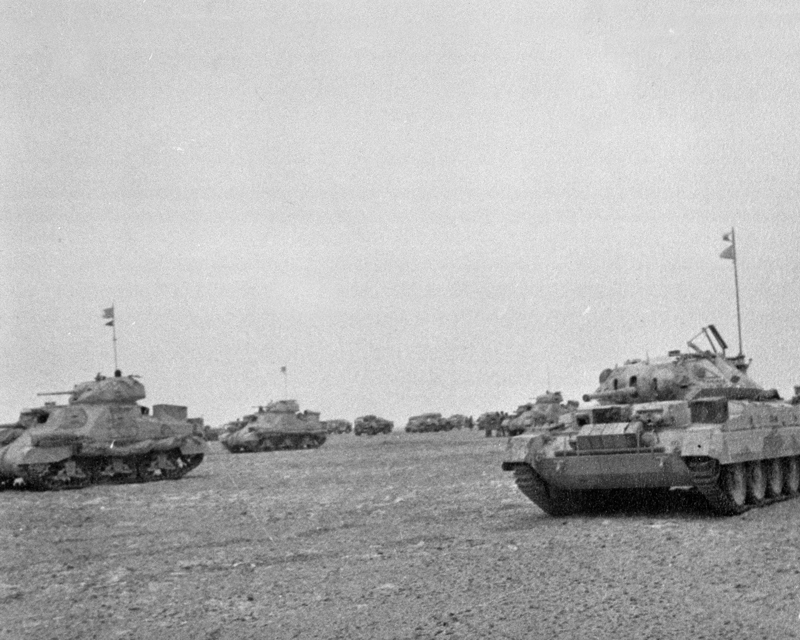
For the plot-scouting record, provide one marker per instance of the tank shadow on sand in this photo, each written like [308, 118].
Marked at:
[679, 503]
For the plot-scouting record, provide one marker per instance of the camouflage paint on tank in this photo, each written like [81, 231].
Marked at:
[278, 426]
[688, 419]
[101, 435]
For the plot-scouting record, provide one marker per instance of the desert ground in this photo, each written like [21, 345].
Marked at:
[394, 536]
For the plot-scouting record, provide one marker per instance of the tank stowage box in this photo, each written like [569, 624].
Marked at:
[279, 425]
[688, 419]
[101, 435]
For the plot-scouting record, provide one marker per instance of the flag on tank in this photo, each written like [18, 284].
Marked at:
[109, 314]
[729, 253]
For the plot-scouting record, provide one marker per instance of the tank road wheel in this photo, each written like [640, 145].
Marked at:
[774, 477]
[151, 467]
[305, 443]
[791, 476]
[734, 484]
[116, 470]
[266, 445]
[66, 474]
[756, 483]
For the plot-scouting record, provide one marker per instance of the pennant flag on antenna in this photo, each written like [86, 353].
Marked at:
[729, 253]
[283, 369]
[727, 237]
[110, 324]
[108, 313]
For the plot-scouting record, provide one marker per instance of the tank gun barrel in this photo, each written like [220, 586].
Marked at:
[618, 395]
[54, 393]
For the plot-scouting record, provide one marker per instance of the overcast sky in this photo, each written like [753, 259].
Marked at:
[413, 206]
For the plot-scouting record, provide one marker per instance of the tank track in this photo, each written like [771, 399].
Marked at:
[707, 479]
[79, 472]
[548, 499]
[707, 476]
[282, 443]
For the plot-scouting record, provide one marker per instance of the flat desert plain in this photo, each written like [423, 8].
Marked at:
[398, 536]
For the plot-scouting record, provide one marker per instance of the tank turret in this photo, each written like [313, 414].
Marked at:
[101, 435]
[678, 376]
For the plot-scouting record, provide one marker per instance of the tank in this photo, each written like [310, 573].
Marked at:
[492, 422]
[371, 425]
[427, 422]
[338, 426]
[460, 421]
[693, 419]
[547, 408]
[278, 426]
[102, 435]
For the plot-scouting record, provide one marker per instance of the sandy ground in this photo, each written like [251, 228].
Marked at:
[399, 536]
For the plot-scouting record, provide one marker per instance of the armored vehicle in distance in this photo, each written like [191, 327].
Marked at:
[371, 425]
[459, 421]
[338, 426]
[102, 435]
[548, 408]
[684, 420]
[279, 425]
[427, 422]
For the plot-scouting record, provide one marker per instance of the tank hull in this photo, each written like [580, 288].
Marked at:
[619, 471]
[745, 454]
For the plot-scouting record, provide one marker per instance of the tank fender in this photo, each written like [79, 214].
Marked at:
[133, 449]
[521, 449]
[166, 444]
[698, 441]
[192, 446]
[44, 455]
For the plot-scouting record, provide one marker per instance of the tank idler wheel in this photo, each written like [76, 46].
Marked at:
[791, 477]
[774, 478]
[192, 461]
[734, 484]
[756, 483]
[180, 464]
